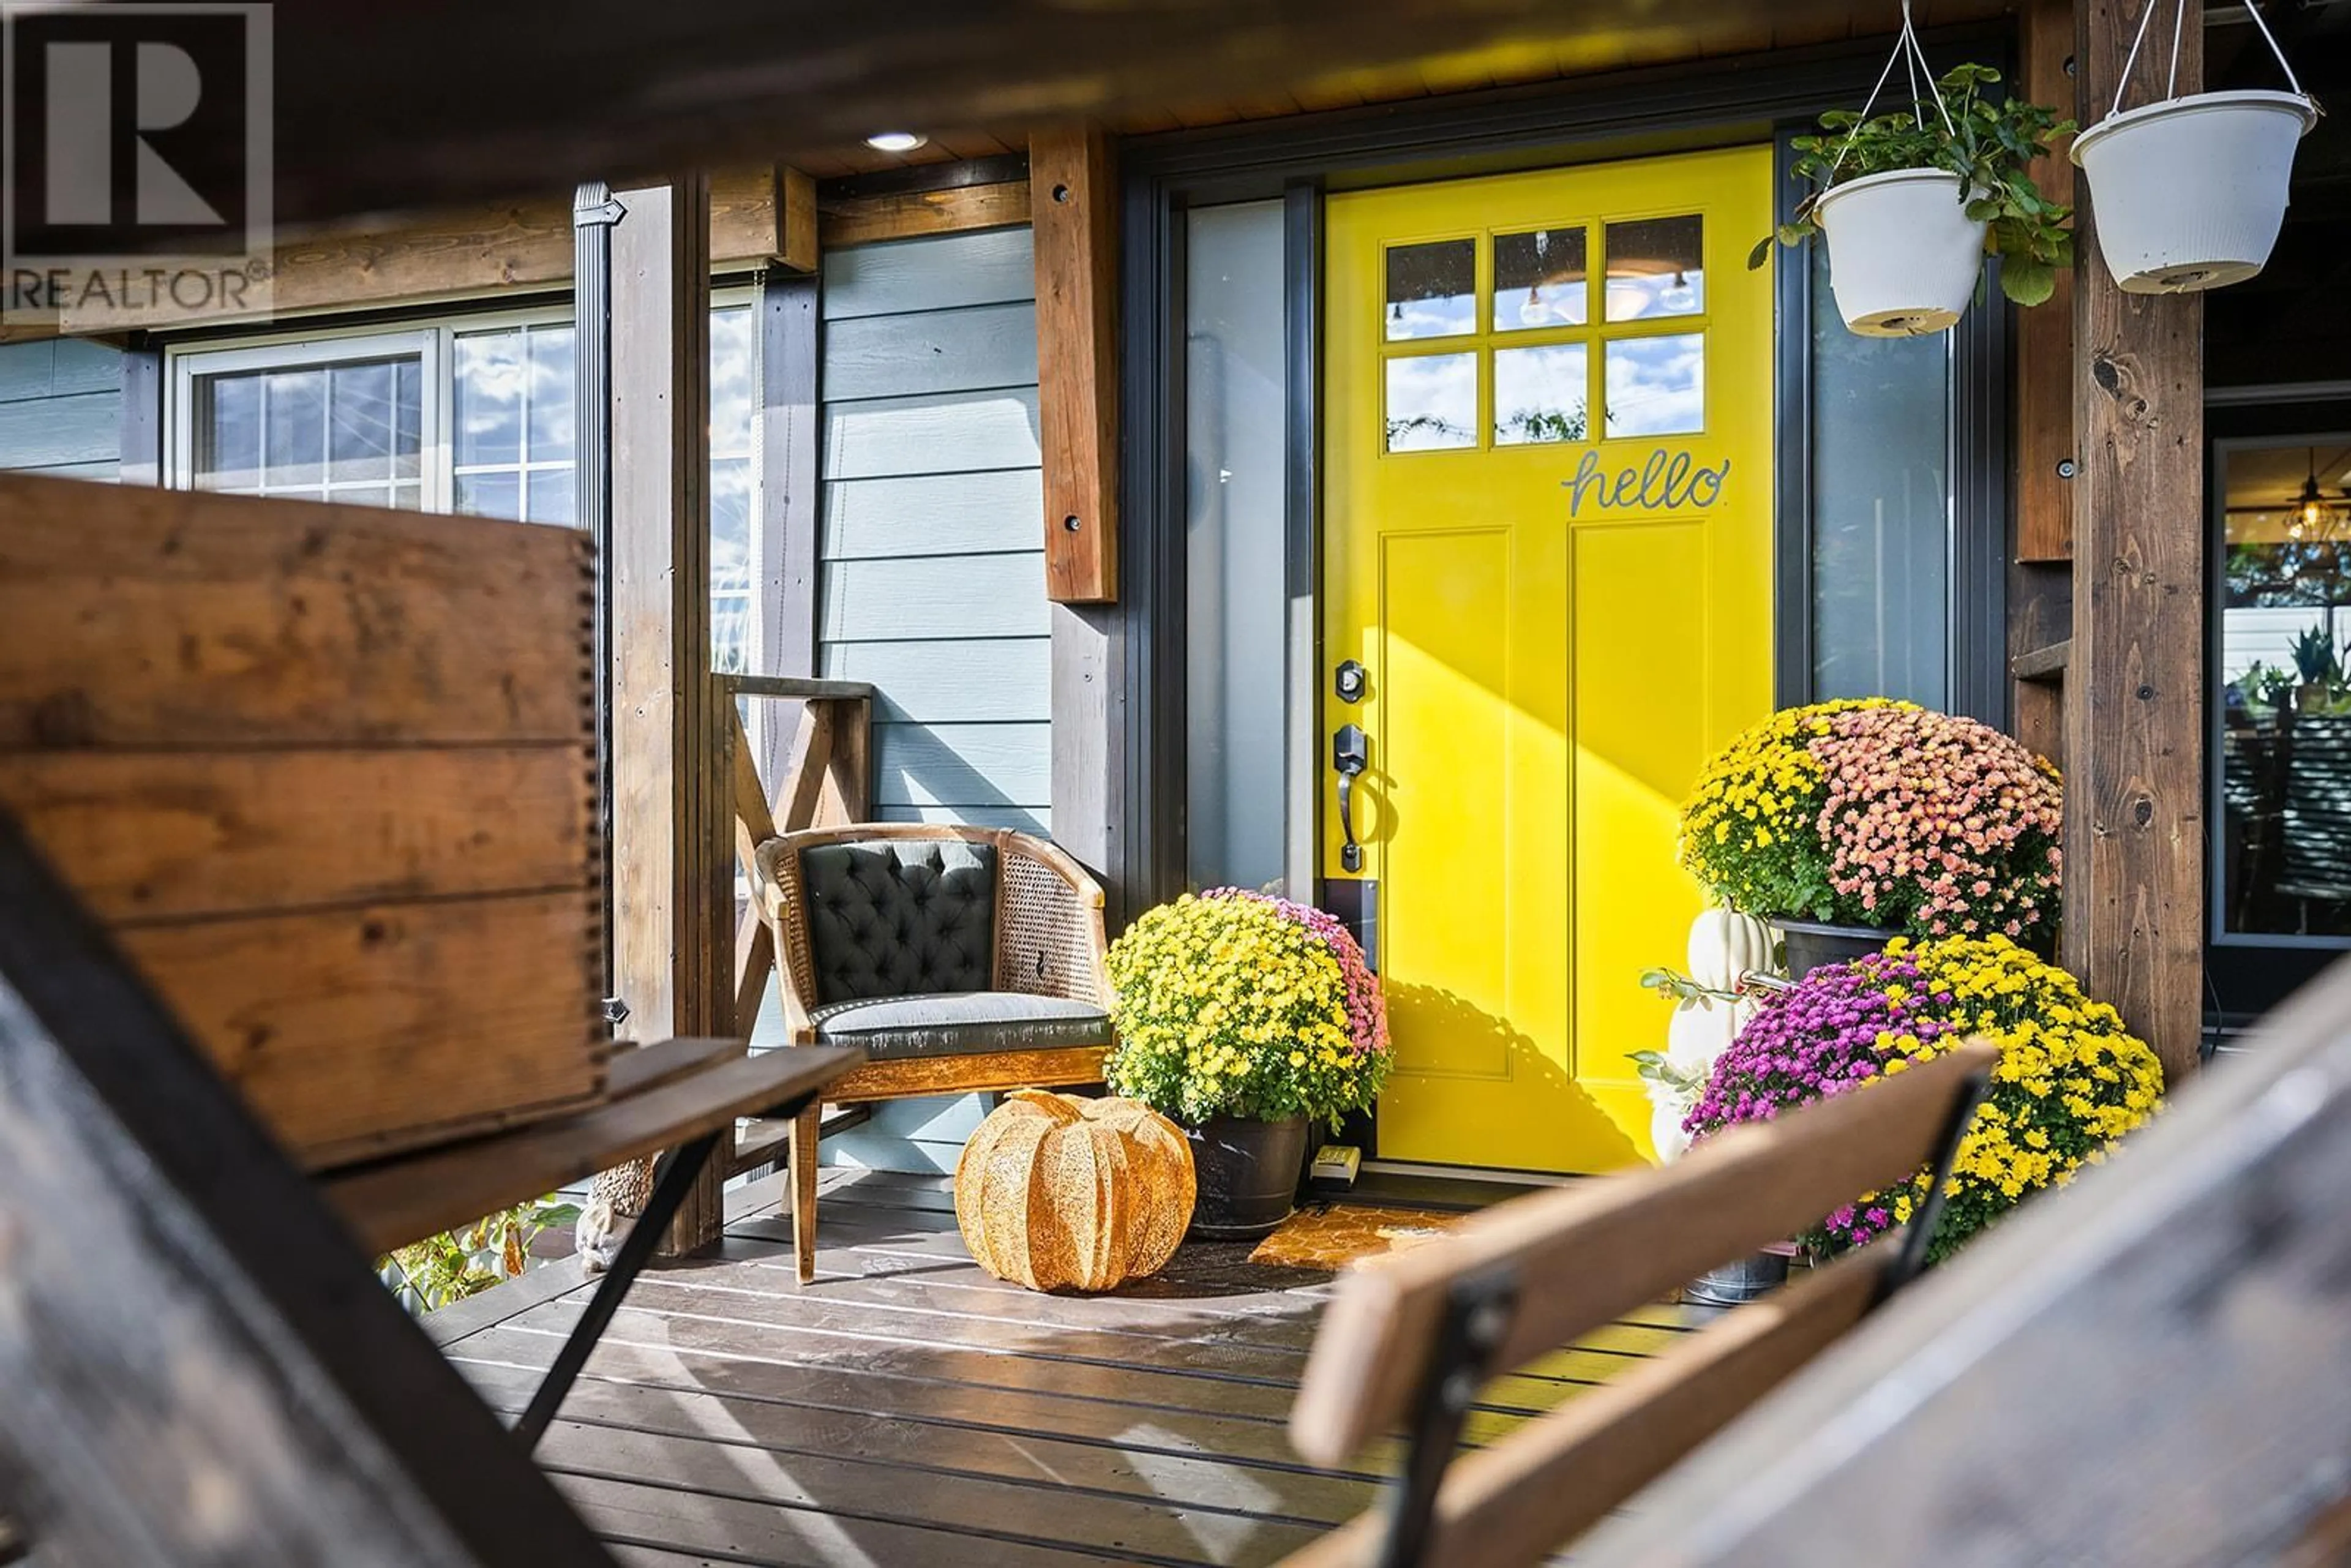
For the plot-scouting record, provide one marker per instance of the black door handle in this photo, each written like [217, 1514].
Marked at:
[1351, 753]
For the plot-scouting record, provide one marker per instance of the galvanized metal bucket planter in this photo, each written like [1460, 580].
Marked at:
[1741, 1281]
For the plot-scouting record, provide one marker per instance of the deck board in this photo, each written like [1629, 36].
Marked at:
[907, 1408]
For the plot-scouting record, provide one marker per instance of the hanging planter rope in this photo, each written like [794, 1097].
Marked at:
[1938, 188]
[1904, 256]
[2190, 192]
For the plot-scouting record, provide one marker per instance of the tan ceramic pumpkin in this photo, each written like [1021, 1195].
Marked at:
[1055, 1192]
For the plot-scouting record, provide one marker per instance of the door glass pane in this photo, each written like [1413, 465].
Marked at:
[228, 432]
[1656, 267]
[512, 421]
[734, 483]
[1881, 508]
[550, 396]
[361, 428]
[1539, 280]
[294, 427]
[1541, 395]
[340, 431]
[1236, 598]
[1432, 289]
[1432, 402]
[490, 494]
[487, 418]
[2285, 702]
[1656, 386]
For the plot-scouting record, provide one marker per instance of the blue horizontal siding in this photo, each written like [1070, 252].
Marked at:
[931, 571]
[61, 409]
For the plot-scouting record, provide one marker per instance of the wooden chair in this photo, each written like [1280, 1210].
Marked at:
[957, 959]
[1410, 1338]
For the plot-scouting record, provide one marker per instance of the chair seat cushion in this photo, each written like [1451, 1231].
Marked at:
[961, 1023]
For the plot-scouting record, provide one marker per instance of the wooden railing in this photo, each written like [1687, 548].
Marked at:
[826, 779]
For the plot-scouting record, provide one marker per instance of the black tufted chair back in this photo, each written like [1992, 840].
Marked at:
[900, 918]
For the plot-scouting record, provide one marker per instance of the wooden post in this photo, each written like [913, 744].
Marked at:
[2134, 785]
[1073, 190]
[673, 858]
[2039, 574]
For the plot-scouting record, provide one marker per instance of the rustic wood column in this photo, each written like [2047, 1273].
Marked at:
[1073, 197]
[673, 861]
[2041, 573]
[2135, 715]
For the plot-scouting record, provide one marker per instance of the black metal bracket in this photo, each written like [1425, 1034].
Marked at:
[1477, 1316]
[674, 1178]
[1910, 1261]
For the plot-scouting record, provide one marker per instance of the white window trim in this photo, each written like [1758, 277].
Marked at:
[184, 366]
[433, 342]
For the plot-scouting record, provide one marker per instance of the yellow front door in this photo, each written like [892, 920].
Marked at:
[1548, 518]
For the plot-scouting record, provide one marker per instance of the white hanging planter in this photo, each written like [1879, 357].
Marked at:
[2189, 193]
[1904, 256]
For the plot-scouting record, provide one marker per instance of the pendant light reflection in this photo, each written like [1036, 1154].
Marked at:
[2312, 515]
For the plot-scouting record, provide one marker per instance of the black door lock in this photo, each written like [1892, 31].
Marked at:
[1351, 753]
[1350, 681]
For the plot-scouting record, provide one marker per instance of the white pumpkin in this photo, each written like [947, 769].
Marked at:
[1666, 1132]
[1725, 945]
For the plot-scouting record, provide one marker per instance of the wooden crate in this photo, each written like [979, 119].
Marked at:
[327, 773]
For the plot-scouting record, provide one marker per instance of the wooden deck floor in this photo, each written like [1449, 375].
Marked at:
[907, 1409]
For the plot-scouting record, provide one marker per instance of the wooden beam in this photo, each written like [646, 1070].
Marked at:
[2134, 827]
[1074, 181]
[758, 215]
[2043, 665]
[905, 214]
[673, 888]
[2044, 334]
[2143, 1367]
[796, 244]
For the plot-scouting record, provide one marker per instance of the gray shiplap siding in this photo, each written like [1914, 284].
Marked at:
[61, 408]
[932, 573]
[932, 566]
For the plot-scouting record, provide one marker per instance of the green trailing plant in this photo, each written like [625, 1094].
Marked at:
[1673, 986]
[1989, 144]
[428, 1275]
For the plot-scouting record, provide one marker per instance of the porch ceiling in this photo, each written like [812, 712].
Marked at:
[389, 108]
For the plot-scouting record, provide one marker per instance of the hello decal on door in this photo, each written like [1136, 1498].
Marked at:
[1666, 482]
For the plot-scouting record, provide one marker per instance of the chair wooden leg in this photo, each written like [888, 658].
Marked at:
[803, 1163]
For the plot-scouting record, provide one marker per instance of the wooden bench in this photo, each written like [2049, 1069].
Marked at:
[301, 958]
[1410, 1338]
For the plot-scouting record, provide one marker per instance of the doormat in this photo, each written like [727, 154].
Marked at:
[1333, 1235]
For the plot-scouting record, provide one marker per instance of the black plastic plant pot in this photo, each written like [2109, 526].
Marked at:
[1806, 945]
[1248, 1173]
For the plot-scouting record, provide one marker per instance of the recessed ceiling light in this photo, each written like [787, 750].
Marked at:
[895, 140]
